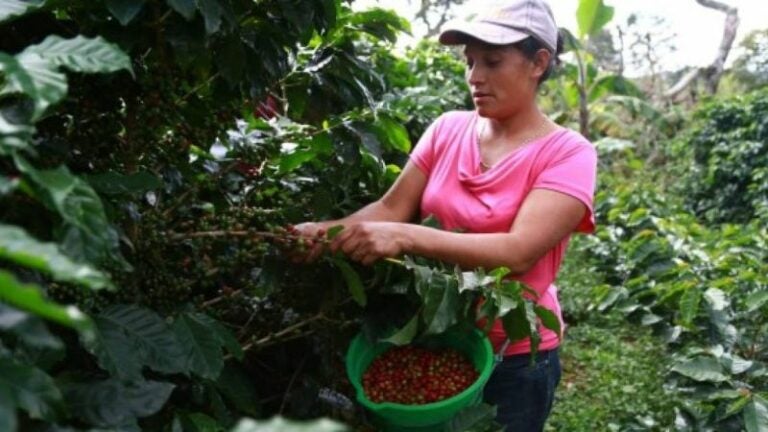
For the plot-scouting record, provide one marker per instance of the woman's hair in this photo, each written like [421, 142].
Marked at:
[530, 46]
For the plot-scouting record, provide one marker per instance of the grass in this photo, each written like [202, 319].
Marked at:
[613, 376]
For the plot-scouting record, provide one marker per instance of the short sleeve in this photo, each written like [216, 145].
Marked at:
[573, 172]
[424, 153]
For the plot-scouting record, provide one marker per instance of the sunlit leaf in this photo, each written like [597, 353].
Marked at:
[15, 8]
[21, 248]
[30, 299]
[81, 54]
[701, 369]
[592, 16]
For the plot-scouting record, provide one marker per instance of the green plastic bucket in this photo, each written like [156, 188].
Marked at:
[433, 416]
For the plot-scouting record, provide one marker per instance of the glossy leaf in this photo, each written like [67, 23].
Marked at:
[689, 305]
[37, 78]
[112, 183]
[405, 335]
[89, 235]
[30, 389]
[440, 296]
[202, 350]
[113, 403]
[212, 14]
[125, 10]
[20, 248]
[354, 284]
[549, 319]
[756, 300]
[81, 54]
[29, 298]
[236, 386]
[705, 369]
[8, 421]
[756, 415]
[30, 330]
[131, 337]
[186, 8]
[10, 9]
[279, 424]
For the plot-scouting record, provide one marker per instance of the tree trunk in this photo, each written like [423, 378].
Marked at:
[713, 72]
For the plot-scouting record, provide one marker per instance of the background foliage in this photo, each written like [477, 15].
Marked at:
[150, 150]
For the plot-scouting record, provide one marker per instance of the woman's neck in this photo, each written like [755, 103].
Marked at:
[524, 122]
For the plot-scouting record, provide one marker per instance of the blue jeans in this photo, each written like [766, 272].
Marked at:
[523, 393]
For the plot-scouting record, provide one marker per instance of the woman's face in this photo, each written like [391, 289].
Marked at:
[501, 79]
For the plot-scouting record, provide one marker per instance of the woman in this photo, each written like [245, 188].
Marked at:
[516, 184]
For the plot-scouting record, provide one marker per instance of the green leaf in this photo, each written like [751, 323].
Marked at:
[549, 319]
[592, 16]
[689, 305]
[15, 8]
[520, 323]
[703, 369]
[756, 415]
[295, 159]
[29, 298]
[113, 403]
[186, 8]
[125, 10]
[19, 247]
[81, 54]
[440, 295]
[756, 300]
[279, 424]
[115, 351]
[406, 334]
[212, 14]
[392, 134]
[88, 235]
[7, 184]
[236, 386]
[152, 341]
[29, 329]
[202, 350]
[112, 183]
[37, 78]
[30, 389]
[334, 231]
[717, 299]
[199, 422]
[354, 284]
[8, 420]
[223, 335]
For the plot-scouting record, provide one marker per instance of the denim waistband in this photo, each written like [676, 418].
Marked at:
[526, 357]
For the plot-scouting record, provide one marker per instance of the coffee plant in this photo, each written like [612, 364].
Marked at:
[152, 156]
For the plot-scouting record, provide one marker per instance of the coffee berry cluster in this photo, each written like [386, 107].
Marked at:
[413, 376]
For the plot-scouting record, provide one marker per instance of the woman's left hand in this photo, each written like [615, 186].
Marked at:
[367, 242]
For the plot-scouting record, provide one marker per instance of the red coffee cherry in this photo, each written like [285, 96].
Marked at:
[412, 375]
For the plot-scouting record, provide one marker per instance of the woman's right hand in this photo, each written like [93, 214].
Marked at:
[314, 237]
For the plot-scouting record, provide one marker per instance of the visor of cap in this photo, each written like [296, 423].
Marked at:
[457, 32]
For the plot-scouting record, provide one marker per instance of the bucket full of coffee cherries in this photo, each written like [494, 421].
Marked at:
[420, 387]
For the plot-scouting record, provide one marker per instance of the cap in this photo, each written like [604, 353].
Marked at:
[505, 22]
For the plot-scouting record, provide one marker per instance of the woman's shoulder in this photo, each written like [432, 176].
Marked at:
[568, 140]
[455, 119]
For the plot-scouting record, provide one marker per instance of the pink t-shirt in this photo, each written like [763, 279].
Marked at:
[461, 196]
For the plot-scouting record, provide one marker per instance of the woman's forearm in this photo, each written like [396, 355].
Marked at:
[468, 250]
[376, 211]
